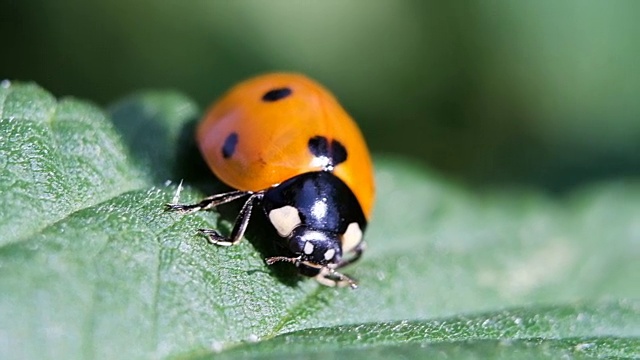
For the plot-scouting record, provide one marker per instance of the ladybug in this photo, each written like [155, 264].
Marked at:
[287, 146]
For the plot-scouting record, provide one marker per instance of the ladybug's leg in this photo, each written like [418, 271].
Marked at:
[327, 276]
[208, 202]
[357, 253]
[330, 277]
[238, 228]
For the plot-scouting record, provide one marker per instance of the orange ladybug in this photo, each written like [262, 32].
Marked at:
[285, 144]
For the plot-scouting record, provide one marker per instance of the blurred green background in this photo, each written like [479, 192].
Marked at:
[540, 93]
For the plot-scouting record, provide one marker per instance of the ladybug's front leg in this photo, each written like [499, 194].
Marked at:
[330, 277]
[357, 253]
[240, 226]
[208, 202]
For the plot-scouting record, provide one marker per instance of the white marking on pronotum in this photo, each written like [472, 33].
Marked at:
[328, 255]
[285, 219]
[308, 248]
[176, 197]
[351, 237]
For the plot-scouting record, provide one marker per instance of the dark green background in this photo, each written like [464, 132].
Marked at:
[543, 93]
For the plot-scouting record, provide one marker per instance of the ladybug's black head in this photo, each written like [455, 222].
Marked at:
[318, 254]
[315, 247]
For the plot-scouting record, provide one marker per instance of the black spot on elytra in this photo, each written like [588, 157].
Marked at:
[334, 150]
[229, 146]
[276, 94]
[319, 146]
[338, 152]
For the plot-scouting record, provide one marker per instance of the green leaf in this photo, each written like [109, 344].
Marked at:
[553, 330]
[92, 267]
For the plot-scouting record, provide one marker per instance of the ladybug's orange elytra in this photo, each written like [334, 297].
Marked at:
[271, 137]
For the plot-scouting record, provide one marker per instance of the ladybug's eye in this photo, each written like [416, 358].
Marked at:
[276, 94]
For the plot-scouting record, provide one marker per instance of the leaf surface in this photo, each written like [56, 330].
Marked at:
[92, 267]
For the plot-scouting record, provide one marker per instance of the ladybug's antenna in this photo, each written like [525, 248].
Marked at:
[327, 275]
[275, 259]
